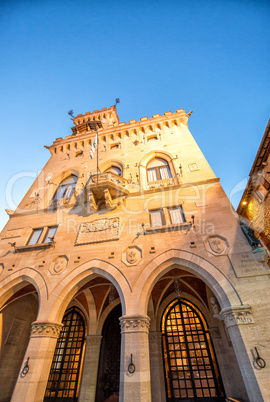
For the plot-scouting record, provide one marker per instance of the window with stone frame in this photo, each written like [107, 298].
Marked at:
[115, 170]
[177, 215]
[157, 218]
[66, 188]
[42, 235]
[158, 169]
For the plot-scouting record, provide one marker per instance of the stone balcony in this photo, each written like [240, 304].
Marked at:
[106, 188]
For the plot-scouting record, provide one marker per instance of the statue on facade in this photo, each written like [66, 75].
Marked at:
[250, 235]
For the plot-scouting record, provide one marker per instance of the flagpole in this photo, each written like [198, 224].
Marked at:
[97, 153]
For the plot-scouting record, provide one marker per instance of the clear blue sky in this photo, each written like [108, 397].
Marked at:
[212, 57]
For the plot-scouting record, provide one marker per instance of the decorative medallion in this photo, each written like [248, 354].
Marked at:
[98, 231]
[217, 245]
[59, 265]
[193, 166]
[132, 255]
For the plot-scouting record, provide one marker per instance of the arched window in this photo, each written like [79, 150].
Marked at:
[66, 187]
[158, 169]
[114, 169]
[63, 383]
[190, 365]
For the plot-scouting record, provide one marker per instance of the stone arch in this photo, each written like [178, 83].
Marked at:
[217, 281]
[208, 317]
[17, 315]
[112, 162]
[151, 155]
[67, 288]
[18, 279]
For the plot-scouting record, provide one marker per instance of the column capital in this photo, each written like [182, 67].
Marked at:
[45, 329]
[93, 340]
[237, 315]
[136, 323]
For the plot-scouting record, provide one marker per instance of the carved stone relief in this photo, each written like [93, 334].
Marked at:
[59, 265]
[98, 231]
[46, 329]
[135, 324]
[93, 340]
[216, 245]
[132, 255]
[13, 233]
[161, 183]
[193, 167]
[215, 307]
[237, 316]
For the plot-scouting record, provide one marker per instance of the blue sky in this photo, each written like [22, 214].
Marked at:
[212, 57]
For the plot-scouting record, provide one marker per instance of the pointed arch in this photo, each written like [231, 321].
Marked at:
[17, 280]
[63, 293]
[214, 278]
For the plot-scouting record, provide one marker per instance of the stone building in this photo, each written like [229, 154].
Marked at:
[148, 240]
[254, 206]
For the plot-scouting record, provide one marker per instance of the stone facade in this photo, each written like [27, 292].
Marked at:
[151, 231]
[254, 206]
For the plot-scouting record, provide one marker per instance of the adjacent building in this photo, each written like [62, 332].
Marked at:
[255, 203]
[125, 274]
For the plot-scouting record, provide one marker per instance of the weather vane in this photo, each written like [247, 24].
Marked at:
[71, 113]
[117, 100]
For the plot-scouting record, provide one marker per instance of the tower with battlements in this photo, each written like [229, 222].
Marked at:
[125, 275]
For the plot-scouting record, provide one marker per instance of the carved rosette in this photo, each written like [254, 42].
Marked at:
[45, 329]
[138, 323]
[237, 315]
[93, 340]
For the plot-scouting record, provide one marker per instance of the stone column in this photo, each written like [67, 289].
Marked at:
[236, 319]
[31, 386]
[158, 391]
[90, 368]
[135, 386]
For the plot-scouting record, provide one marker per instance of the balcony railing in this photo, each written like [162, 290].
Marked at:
[162, 183]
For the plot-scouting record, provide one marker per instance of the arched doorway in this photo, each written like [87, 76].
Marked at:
[191, 370]
[64, 377]
[16, 317]
[109, 362]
